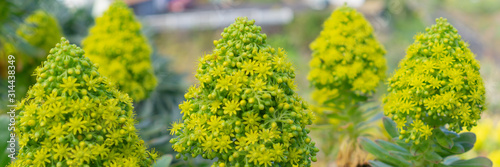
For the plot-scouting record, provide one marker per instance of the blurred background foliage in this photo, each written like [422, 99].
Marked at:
[176, 51]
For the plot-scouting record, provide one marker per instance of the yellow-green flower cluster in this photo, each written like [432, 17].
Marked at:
[73, 116]
[41, 30]
[438, 84]
[244, 112]
[347, 61]
[116, 41]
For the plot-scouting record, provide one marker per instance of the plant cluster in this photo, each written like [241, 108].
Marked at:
[438, 84]
[73, 116]
[347, 61]
[347, 65]
[244, 110]
[436, 93]
[116, 41]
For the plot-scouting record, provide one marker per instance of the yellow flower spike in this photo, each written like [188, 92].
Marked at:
[347, 66]
[346, 59]
[438, 83]
[117, 43]
[244, 110]
[66, 127]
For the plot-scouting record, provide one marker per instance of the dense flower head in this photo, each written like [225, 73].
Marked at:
[438, 84]
[73, 116]
[244, 111]
[347, 61]
[41, 30]
[116, 41]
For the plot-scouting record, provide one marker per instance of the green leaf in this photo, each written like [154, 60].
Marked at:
[380, 153]
[442, 139]
[443, 152]
[457, 149]
[475, 162]
[390, 127]
[466, 139]
[405, 155]
[449, 160]
[390, 146]
[378, 164]
[433, 157]
[163, 161]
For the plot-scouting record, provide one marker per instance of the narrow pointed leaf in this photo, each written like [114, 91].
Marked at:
[390, 146]
[380, 153]
[378, 164]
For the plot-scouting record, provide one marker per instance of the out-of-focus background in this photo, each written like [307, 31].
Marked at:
[181, 31]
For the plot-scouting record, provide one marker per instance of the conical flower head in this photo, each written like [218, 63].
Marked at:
[244, 109]
[116, 41]
[438, 84]
[347, 61]
[73, 116]
[41, 30]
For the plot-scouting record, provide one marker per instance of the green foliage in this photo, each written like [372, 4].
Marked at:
[117, 42]
[441, 151]
[438, 84]
[4, 137]
[158, 111]
[244, 110]
[74, 116]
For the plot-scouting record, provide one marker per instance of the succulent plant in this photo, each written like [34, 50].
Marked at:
[116, 40]
[436, 93]
[73, 116]
[347, 61]
[438, 84]
[244, 111]
[347, 65]
[41, 30]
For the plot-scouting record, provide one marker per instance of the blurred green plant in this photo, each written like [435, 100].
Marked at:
[4, 137]
[15, 19]
[41, 30]
[347, 66]
[157, 112]
[117, 43]
[29, 44]
[437, 90]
